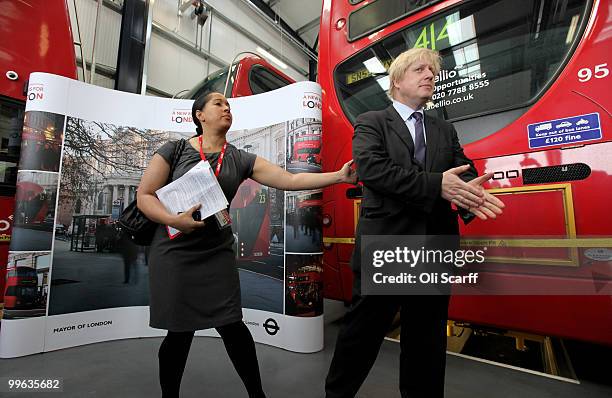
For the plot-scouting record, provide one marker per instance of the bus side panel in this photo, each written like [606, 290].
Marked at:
[567, 96]
[40, 40]
[583, 317]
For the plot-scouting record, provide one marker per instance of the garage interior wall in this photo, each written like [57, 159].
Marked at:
[176, 63]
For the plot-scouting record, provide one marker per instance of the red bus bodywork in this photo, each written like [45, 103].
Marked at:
[586, 318]
[251, 213]
[6, 224]
[307, 148]
[21, 280]
[304, 289]
[34, 205]
[241, 86]
[36, 37]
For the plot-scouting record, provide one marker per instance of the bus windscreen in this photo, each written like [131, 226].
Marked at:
[380, 13]
[492, 57]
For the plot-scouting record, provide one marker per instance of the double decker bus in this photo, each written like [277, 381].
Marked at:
[21, 288]
[509, 68]
[249, 75]
[251, 214]
[36, 37]
[32, 204]
[251, 209]
[304, 291]
[307, 148]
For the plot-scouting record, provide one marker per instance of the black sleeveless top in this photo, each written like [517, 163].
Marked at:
[193, 278]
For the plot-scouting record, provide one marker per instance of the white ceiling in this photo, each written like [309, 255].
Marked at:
[301, 15]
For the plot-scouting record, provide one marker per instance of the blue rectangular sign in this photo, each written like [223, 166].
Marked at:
[116, 212]
[568, 130]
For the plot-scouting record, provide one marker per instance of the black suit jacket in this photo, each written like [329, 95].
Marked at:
[400, 195]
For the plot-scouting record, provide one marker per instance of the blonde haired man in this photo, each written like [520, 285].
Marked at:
[412, 168]
[400, 65]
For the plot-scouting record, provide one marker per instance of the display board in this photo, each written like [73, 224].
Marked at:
[73, 278]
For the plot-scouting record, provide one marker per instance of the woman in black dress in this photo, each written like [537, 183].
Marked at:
[194, 281]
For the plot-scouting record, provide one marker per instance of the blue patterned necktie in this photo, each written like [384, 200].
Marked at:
[419, 138]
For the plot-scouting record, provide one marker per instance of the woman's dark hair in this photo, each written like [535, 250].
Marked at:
[198, 105]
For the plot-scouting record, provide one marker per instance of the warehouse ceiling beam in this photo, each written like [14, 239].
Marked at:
[187, 45]
[256, 40]
[308, 26]
[176, 39]
[111, 73]
[272, 18]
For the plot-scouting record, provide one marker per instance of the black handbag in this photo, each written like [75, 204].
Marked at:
[133, 222]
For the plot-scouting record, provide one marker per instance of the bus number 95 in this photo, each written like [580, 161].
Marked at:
[601, 71]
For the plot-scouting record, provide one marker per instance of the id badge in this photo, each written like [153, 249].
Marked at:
[223, 219]
[172, 232]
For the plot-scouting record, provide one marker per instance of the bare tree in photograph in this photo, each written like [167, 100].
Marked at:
[96, 151]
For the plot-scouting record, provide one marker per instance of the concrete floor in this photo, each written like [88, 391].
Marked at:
[128, 368]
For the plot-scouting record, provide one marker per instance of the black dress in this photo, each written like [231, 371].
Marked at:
[193, 278]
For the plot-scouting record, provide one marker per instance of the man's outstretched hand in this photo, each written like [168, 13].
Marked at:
[457, 191]
[491, 206]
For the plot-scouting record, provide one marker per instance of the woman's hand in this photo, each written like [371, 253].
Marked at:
[185, 223]
[347, 174]
[273, 176]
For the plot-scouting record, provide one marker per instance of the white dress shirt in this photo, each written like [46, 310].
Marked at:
[406, 112]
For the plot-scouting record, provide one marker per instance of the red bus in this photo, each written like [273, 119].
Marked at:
[32, 204]
[6, 225]
[249, 76]
[508, 68]
[21, 288]
[254, 216]
[307, 148]
[304, 291]
[251, 215]
[34, 39]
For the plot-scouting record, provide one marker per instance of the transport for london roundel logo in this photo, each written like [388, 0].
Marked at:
[271, 326]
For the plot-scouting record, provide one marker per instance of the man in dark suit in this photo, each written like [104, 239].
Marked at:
[412, 168]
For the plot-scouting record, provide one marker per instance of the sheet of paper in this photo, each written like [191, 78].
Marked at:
[198, 185]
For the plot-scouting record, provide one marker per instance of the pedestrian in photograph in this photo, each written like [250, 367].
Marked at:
[194, 280]
[129, 254]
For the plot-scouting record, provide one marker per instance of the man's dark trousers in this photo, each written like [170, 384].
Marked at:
[401, 197]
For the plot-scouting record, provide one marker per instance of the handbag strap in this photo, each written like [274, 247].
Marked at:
[178, 149]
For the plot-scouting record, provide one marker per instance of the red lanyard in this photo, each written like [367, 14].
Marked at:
[219, 162]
